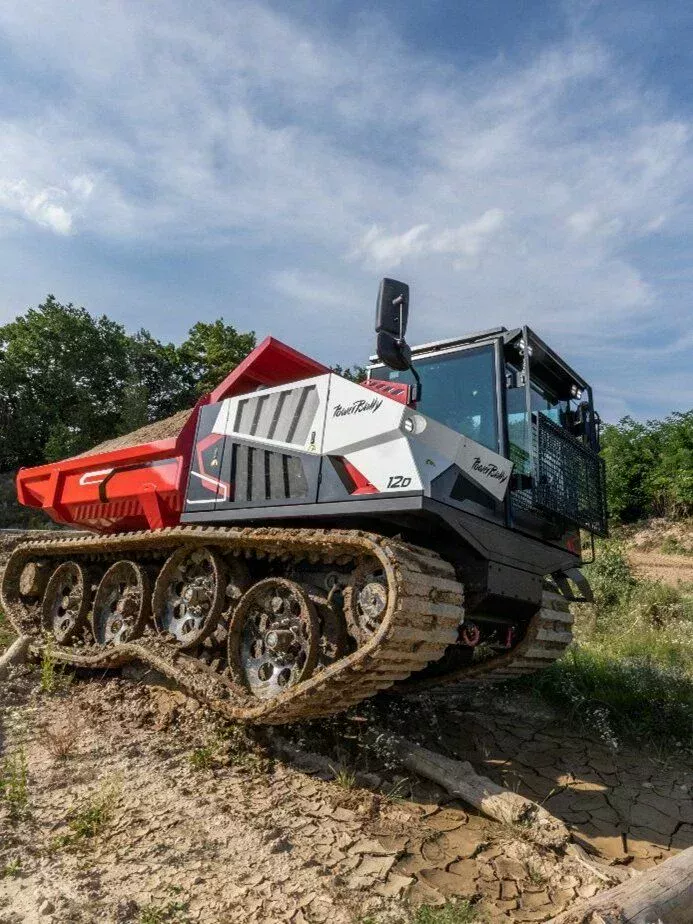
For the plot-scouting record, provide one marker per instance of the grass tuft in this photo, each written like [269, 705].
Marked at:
[344, 777]
[90, 820]
[53, 678]
[14, 789]
[11, 869]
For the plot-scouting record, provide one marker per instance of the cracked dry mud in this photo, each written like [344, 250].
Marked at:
[250, 840]
[630, 807]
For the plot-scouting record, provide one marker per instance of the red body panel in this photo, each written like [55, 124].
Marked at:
[143, 487]
[397, 391]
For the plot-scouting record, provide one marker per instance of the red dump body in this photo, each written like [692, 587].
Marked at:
[143, 486]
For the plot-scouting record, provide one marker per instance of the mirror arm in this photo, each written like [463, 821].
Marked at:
[416, 390]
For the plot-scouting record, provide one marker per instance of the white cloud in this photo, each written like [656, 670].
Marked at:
[311, 289]
[468, 240]
[41, 206]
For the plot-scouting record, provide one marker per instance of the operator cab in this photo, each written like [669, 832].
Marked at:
[508, 391]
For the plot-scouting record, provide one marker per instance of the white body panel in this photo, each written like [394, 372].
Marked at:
[394, 447]
[268, 415]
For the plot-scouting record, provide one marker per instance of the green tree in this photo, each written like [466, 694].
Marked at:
[210, 352]
[69, 381]
[355, 374]
[156, 382]
[630, 451]
[61, 378]
[671, 481]
[649, 467]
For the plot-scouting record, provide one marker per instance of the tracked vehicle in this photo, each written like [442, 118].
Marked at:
[298, 542]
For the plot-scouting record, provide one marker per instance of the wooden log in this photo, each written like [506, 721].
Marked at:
[15, 654]
[662, 894]
[460, 780]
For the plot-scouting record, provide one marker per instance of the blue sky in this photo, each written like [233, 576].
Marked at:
[165, 162]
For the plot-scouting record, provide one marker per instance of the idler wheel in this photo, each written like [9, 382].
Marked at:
[273, 638]
[122, 603]
[66, 602]
[365, 602]
[189, 595]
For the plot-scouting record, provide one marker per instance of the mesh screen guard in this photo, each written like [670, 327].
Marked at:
[568, 478]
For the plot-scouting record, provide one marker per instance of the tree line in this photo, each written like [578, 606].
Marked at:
[649, 467]
[69, 381]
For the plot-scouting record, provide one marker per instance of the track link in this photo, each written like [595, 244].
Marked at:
[545, 641]
[424, 611]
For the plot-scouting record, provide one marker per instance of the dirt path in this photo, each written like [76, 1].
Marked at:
[672, 569]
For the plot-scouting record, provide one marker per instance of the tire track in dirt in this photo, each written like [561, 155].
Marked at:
[655, 566]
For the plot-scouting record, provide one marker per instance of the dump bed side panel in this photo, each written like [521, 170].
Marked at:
[135, 488]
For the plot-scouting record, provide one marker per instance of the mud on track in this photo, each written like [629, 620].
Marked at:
[425, 605]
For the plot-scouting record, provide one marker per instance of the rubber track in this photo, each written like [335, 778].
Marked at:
[425, 607]
[547, 637]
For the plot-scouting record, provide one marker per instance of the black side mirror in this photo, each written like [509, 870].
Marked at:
[393, 352]
[391, 316]
[392, 310]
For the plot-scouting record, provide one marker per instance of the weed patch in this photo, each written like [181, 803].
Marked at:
[622, 698]
[202, 758]
[14, 789]
[452, 912]
[673, 546]
[462, 912]
[629, 675]
[232, 746]
[61, 738]
[53, 677]
[162, 914]
[12, 868]
[238, 748]
[90, 820]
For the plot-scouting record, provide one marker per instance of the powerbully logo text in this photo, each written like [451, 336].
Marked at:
[358, 407]
[490, 470]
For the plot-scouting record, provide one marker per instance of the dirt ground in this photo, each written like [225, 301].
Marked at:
[671, 569]
[142, 808]
[661, 550]
[157, 812]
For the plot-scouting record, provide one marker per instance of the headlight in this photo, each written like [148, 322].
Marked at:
[414, 424]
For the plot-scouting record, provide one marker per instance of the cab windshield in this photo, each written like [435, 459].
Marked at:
[459, 391]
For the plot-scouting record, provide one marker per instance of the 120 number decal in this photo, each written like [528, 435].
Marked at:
[398, 481]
